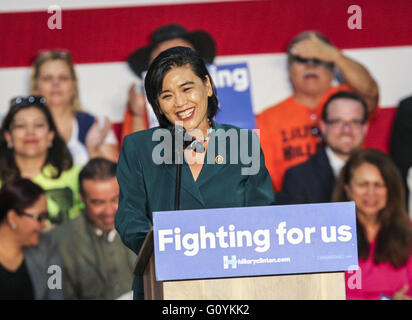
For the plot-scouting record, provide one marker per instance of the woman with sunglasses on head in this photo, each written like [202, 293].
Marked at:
[31, 147]
[54, 77]
[26, 253]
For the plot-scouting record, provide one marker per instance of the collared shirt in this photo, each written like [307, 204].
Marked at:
[335, 162]
[110, 235]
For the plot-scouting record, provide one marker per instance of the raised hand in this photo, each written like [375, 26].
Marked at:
[95, 137]
[315, 48]
[137, 101]
[401, 294]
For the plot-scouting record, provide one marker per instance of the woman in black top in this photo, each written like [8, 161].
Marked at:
[25, 254]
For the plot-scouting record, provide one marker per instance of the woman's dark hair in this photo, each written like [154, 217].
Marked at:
[394, 239]
[58, 154]
[18, 194]
[164, 62]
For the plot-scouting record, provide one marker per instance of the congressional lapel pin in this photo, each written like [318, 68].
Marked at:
[219, 159]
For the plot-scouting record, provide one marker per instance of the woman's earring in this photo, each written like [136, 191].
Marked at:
[13, 227]
[9, 145]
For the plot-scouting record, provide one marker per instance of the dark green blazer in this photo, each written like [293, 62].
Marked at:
[146, 187]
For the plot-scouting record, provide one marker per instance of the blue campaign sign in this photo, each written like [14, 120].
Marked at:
[232, 83]
[252, 241]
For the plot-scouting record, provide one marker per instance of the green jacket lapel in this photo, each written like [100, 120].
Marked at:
[215, 159]
[187, 182]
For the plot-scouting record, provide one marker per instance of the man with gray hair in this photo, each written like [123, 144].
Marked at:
[289, 130]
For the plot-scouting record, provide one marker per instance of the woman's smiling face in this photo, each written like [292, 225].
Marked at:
[368, 189]
[55, 82]
[30, 134]
[184, 98]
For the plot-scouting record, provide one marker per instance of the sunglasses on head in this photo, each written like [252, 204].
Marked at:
[30, 100]
[55, 53]
[314, 62]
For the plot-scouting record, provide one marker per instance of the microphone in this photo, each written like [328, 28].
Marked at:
[196, 146]
[189, 142]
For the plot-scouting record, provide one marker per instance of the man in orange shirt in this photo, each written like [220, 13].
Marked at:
[289, 130]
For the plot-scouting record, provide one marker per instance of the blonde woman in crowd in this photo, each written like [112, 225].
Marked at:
[54, 77]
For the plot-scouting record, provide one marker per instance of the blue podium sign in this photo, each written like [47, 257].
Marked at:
[253, 241]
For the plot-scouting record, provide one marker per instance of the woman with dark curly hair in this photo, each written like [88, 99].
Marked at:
[31, 147]
[384, 231]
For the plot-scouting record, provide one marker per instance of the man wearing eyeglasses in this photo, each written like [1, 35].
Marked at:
[343, 126]
[289, 130]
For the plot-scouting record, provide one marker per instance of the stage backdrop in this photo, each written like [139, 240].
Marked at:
[250, 35]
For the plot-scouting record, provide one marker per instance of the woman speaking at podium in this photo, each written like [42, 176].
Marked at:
[216, 168]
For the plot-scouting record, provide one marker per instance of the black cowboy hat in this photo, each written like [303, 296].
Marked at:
[201, 41]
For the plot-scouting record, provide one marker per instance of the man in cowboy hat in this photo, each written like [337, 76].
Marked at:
[163, 38]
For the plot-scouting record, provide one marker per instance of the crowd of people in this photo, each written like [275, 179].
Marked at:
[75, 197]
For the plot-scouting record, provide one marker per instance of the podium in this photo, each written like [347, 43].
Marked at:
[309, 286]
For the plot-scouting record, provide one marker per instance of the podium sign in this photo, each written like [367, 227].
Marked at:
[249, 241]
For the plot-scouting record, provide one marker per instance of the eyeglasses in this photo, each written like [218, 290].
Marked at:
[30, 100]
[340, 124]
[39, 218]
[314, 62]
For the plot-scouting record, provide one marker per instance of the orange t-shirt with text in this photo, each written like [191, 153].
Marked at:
[289, 134]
